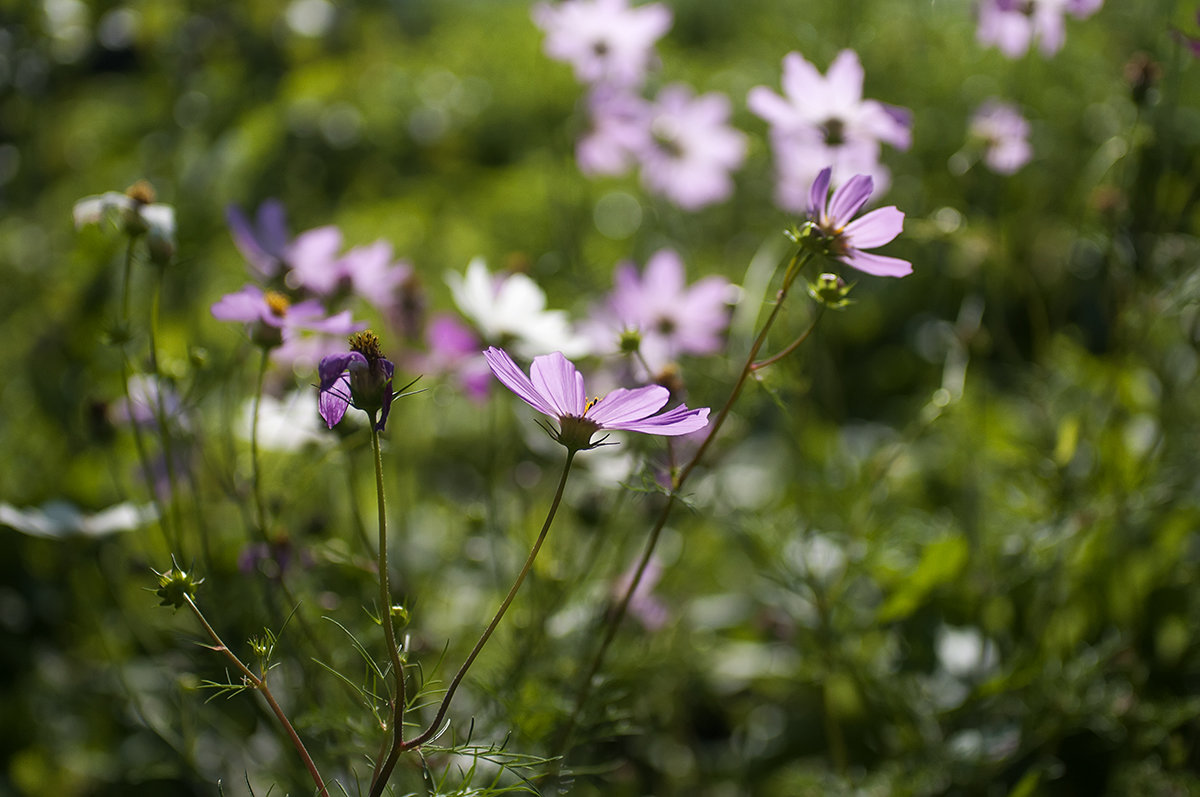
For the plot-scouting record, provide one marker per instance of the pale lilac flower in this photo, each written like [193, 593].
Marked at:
[555, 388]
[824, 120]
[59, 519]
[272, 319]
[643, 604]
[1012, 25]
[511, 310]
[670, 317]
[605, 41]
[142, 405]
[453, 348]
[367, 271]
[361, 378]
[264, 243]
[1004, 133]
[691, 148]
[620, 129]
[845, 239]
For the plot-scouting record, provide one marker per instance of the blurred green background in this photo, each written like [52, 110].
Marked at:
[948, 548]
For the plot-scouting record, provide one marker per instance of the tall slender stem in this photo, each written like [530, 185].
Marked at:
[260, 683]
[796, 263]
[260, 508]
[434, 726]
[399, 699]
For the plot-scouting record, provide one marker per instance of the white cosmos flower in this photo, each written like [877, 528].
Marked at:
[511, 311]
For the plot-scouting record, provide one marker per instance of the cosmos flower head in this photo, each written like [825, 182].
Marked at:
[823, 119]
[511, 310]
[263, 243]
[136, 214]
[840, 235]
[272, 319]
[1004, 134]
[360, 378]
[670, 317]
[555, 388]
[605, 41]
[1013, 25]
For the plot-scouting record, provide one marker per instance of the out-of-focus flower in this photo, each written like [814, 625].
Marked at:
[620, 129]
[453, 348]
[1189, 41]
[272, 319]
[511, 311]
[691, 149]
[670, 317]
[844, 239]
[1004, 133]
[965, 652]
[284, 424]
[142, 405]
[1012, 25]
[264, 243]
[367, 271]
[136, 213]
[643, 604]
[60, 519]
[605, 41]
[361, 378]
[555, 388]
[824, 120]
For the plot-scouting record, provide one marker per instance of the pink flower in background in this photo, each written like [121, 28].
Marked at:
[643, 604]
[273, 320]
[671, 317]
[1004, 133]
[845, 238]
[691, 149]
[555, 388]
[1012, 25]
[620, 129]
[605, 41]
[824, 121]
[454, 350]
[263, 243]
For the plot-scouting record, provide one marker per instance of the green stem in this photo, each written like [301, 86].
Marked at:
[260, 508]
[160, 413]
[434, 726]
[795, 344]
[260, 683]
[614, 621]
[399, 699]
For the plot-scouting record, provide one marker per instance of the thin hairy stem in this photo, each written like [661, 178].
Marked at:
[260, 508]
[614, 621]
[260, 684]
[435, 726]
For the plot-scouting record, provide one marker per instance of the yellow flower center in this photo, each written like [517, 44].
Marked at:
[277, 303]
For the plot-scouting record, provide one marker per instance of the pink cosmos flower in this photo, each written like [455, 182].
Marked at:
[555, 388]
[620, 124]
[264, 242]
[272, 319]
[1004, 134]
[691, 149]
[825, 120]
[1012, 25]
[845, 239]
[671, 317]
[605, 41]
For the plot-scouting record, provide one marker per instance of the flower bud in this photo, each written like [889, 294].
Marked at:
[831, 291]
[176, 586]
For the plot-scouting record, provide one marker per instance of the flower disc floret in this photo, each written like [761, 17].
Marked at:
[554, 388]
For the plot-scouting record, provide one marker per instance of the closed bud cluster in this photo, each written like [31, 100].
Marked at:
[176, 586]
[831, 291]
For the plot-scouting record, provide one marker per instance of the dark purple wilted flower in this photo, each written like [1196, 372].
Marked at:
[555, 388]
[605, 41]
[361, 377]
[845, 239]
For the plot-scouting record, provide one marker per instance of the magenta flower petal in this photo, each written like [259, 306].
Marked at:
[361, 377]
[849, 198]
[557, 385]
[623, 405]
[515, 380]
[879, 265]
[678, 421]
[819, 193]
[333, 400]
[557, 380]
[876, 228]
